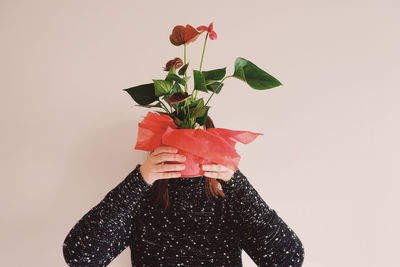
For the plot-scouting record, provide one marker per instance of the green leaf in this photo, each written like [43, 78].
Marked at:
[196, 103]
[182, 70]
[199, 102]
[175, 89]
[239, 73]
[214, 75]
[158, 105]
[172, 70]
[253, 75]
[202, 119]
[176, 78]
[197, 112]
[213, 87]
[162, 87]
[170, 77]
[199, 81]
[143, 94]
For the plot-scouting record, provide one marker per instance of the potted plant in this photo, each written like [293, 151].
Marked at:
[183, 112]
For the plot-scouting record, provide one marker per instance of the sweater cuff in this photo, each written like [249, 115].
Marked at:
[137, 174]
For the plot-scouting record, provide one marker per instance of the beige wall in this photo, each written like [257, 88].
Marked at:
[327, 161]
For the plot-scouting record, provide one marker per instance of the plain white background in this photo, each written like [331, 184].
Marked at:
[327, 162]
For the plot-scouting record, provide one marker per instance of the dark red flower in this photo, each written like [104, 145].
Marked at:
[183, 35]
[209, 29]
[176, 62]
[178, 97]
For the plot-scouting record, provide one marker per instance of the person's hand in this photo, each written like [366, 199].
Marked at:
[154, 167]
[217, 171]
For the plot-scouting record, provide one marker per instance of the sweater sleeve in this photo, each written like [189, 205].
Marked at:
[265, 237]
[104, 231]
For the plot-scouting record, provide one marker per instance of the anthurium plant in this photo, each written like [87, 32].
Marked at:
[171, 94]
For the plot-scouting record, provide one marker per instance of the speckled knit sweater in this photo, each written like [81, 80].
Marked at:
[194, 231]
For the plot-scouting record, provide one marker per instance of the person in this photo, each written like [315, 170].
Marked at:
[169, 220]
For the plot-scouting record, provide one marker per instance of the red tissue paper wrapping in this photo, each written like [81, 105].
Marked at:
[200, 146]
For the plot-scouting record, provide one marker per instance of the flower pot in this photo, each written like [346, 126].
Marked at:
[200, 146]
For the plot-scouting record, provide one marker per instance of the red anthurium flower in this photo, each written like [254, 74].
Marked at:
[178, 97]
[177, 62]
[183, 35]
[209, 29]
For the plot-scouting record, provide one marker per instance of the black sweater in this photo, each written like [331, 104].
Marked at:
[193, 231]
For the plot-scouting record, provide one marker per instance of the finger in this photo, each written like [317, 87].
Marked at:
[168, 157]
[162, 149]
[169, 167]
[214, 167]
[168, 175]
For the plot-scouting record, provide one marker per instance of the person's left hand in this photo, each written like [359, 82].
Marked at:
[217, 171]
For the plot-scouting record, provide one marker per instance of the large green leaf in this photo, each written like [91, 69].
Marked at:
[215, 87]
[162, 87]
[253, 75]
[214, 75]
[143, 94]
[199, 81]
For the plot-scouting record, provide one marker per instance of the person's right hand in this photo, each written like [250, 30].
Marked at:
[154, 167]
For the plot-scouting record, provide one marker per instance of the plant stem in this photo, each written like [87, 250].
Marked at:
[165, 107]
[202, 57]
[188, 116]
[184, 63]
[184, 53]
[216, 89]
[204, 48]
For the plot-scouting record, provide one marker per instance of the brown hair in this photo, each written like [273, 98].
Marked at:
[160, 186]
